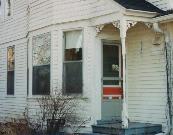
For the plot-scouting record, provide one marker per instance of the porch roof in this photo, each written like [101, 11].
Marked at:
[142, 5]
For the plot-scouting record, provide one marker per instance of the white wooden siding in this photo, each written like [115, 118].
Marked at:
[146, 77]
[13, 106]
[13, 31]
[47, 12]
[14, 27]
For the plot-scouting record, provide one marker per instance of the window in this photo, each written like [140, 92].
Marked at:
[10, 70]
[111, 64]
[8, 7]
[41, 64]
[1, 8]
[73, 62]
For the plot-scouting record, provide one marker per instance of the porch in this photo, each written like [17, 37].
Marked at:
[134, 128]
[131, 109]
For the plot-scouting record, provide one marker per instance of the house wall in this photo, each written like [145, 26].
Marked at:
[28, 17]
[146, 65]
[47, 12]
[13, 31]
[147, 89]
[89, 109]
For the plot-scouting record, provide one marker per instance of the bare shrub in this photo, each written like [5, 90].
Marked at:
[56, 112]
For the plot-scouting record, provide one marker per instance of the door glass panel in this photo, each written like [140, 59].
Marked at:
[110, 64]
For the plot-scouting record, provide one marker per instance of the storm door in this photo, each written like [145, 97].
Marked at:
[111, 80]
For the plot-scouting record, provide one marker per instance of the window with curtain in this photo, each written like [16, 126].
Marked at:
[73, 62]
[10, 70]
[41, 58]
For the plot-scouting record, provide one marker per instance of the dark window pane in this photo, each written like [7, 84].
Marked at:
[110, 59]
[73, 77]
[10, 70]
[73, 54]
[10, 83]
[110, 63]
[110, 82]
[41, 80]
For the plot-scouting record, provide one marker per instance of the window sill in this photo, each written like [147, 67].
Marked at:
[79, 96]
[36, 96]
[10, 96]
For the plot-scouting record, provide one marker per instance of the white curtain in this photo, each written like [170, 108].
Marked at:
[74, 40]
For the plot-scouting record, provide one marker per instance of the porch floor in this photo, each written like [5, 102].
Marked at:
[134, 129]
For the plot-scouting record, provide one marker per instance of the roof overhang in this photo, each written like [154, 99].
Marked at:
[164, 19]
[140, 13]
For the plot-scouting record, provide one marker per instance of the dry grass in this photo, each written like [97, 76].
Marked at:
[15, 127]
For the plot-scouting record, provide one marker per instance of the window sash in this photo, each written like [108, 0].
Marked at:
[10, 70]
[66, 62]
[39, 86]
[39, 42]
[72, 80]
[41, 49]
[10, 82]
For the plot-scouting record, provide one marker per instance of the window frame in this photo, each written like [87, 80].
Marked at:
[30, 62]
[13, 46]
[71, 61]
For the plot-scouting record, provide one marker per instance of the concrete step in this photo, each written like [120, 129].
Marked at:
[134, 129]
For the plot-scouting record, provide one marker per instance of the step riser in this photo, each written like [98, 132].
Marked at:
[145, 131]
[139, 129]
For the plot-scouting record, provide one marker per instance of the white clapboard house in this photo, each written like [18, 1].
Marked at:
[115, 53]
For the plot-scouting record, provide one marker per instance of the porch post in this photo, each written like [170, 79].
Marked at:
[123, 30]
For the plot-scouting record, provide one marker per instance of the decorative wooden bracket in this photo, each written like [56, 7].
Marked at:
[149, 25]
[99, 28]
[116, 24]
[129, 24]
